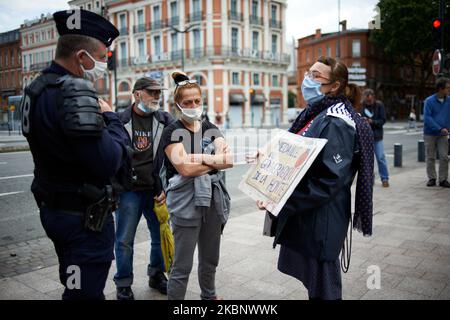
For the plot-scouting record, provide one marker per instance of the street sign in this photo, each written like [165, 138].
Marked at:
[437, 61]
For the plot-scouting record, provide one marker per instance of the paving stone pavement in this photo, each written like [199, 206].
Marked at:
[410, 247]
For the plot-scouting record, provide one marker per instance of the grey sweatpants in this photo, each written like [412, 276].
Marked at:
[207, 235]
[441, 144]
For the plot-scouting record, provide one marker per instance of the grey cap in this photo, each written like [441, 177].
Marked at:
[148, 84]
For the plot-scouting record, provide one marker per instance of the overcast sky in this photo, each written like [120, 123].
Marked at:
[303, 16]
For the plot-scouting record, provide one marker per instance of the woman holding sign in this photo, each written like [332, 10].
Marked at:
[196, 195]
[312, 226]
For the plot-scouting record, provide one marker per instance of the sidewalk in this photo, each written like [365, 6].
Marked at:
[411, 246]
[12, 142]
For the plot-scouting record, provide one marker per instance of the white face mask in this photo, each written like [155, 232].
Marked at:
[151, 107]
[191, 115]
[97, 72]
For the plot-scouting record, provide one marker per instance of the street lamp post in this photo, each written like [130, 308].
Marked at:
[182, 42]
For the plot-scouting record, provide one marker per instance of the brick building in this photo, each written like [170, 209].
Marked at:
[10, 70]
[393, 84]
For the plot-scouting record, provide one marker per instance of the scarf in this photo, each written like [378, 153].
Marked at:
[362, 218]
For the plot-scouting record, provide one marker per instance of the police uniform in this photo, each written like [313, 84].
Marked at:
[77, 150]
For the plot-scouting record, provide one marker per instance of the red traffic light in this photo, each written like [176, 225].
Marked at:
[437, 23]
[110, 54]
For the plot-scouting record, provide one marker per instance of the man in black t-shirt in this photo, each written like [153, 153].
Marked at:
[145, 124]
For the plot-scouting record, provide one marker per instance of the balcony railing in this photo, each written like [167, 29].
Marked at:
[173, 21]
[275, 24]
[202, 52]
[141, 28]
[235, 16]
[123, 31]
[195, 16]
[39, 66]
[256, 20]
[156, 25]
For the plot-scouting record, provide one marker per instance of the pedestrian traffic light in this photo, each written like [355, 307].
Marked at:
[111, 60]
[437, 33]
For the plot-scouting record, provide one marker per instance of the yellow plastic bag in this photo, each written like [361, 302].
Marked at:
[167, 246]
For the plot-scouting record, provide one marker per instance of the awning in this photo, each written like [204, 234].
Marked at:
[123, 103]
[237, 98]
[259, 99]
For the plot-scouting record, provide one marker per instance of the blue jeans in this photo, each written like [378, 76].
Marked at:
[381, 160]
[131, 207]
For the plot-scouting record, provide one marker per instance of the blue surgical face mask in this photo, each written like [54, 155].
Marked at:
[311, 90]
[145, 109]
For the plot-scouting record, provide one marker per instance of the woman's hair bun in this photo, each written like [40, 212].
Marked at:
[179, 76]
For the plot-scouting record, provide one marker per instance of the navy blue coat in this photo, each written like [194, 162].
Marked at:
[315, 219]
[74, 160]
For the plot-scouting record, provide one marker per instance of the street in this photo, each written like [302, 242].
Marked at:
[19, 218]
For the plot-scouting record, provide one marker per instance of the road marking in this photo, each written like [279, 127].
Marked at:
[3, 162]
[10, 193]
[15, 177]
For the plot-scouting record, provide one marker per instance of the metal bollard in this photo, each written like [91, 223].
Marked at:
[398, 153]
[421, 151]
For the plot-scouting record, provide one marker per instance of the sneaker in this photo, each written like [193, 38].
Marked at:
[431, 183]
[385, 184]
[125, 293]
[158, 282]
[444, 184]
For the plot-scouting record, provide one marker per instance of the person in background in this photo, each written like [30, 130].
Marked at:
[436, 126]
[375, 114]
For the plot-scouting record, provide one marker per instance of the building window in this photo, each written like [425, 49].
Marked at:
[157, 43]
[174, 9]
[141, 48]
[12, 59]
[274, 11]
[235, 78]
[307, 56]
[328, 50]
[234, 40]
[123, 52]
[275, 82]
[156, 14]
[140, 18]
[255, 40]
[124, 87]
[89, 6]
[356, 48]
[122, 22]
[255, 8]
[233, 6]
[174, 37]
[274, 43]
[196, 6]
[6, 59]
[97, 4]
[197, 43]
[199, 79]
[49, 34]
[256, 81]
[319, 52]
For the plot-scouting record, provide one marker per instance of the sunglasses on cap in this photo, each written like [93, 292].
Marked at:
[185, 82]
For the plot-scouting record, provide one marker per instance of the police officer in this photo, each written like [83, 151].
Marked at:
[78, 144]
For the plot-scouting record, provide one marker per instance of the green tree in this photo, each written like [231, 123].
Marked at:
[406, 35]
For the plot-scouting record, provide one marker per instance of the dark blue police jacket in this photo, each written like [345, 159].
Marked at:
[315, 219]
[72, 160]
